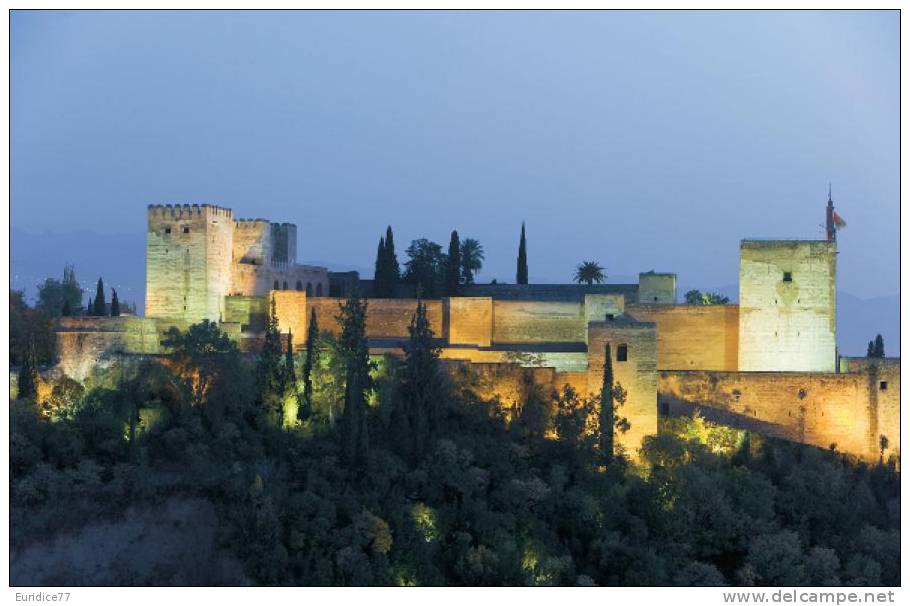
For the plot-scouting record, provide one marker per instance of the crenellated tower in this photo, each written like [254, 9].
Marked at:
[188, 261]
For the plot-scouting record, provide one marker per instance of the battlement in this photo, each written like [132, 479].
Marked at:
[251, 223]
[188, 211]
[779, 243]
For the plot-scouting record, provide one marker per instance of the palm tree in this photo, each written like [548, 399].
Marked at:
[589, 272]
[471, 259]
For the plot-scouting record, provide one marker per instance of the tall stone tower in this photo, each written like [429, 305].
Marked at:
[787, 302]
[188, 261]
[787, 305]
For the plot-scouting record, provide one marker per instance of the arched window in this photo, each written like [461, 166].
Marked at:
[275, 286]
[309, 289]
[299, 285]
[285, 287]
[319, 289]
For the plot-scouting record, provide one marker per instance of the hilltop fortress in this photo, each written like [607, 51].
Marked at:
[769, 363]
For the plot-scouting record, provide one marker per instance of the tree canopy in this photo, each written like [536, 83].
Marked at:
[589, 272]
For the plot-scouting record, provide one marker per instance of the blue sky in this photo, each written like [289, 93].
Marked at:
[642, 140]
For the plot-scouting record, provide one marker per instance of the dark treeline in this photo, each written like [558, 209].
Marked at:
[434, 272]
[331, 467]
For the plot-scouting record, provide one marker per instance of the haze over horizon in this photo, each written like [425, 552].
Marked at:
[642, 140]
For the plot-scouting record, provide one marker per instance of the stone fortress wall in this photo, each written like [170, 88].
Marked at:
[767, 364]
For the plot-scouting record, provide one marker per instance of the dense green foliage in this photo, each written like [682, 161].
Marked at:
[473, 495]
[521, 272]
[311, 355]
[387, 273]
[27, 382]
[355, 354]
[452, 271]
[55, 296]
[472, 257]
[425, 267]
[697, 297]
[99, 306]
[589, 272]
[876, 348]
[31, 331]
[115, 304]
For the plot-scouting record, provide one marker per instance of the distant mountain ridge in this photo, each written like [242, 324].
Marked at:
[120, 260]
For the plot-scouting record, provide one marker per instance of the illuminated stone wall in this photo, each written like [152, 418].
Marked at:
[849, 410]
[883, 377]
[248, 312]
[252, 242]
[470, 321]
[561, 361]
[386, 318]
[506, 382]
[292, 311]
[305, 278]
[656, 288]
[693, 337]
[86, 344]
[188, 261]
[787, 305]
[536, 322]
[637, 375]
[599, 307]
[250, 280]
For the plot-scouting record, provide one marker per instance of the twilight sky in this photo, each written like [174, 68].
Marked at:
[642, 140]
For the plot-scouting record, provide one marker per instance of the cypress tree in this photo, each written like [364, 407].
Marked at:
[115, 303]
[312, 351]
[289, 361]
[607, 412]
[879, 350]
[356, 355]
[28, 374]
[422, 385]
[391, 269]
[521, 275]
[270, 377]
[100, 307]
[870, 350]
[66, 309]
[453, 265]
[380, 271]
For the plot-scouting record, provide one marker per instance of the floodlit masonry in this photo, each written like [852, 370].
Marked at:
[767, 364]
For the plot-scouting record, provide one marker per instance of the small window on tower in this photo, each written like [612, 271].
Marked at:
[788, 276]
[883, 385]
[622, 353]
[167, 230]
[186, 230]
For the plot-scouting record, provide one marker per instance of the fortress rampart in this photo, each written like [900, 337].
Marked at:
[693, 337]
[848, 410]
[768, 363]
